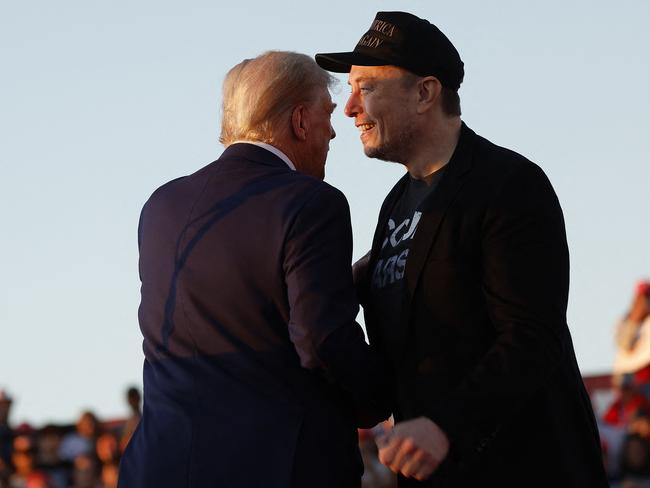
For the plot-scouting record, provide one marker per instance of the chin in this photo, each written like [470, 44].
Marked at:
[377, 153]
[388, 153]
[369, 151]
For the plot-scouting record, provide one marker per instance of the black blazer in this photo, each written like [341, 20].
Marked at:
[255, 371]
[485, 350]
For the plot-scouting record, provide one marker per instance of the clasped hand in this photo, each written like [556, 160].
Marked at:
[415, 448]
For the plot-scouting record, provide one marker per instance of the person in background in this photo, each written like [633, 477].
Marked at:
[5, 473]
[632, 363]
[38, 479]
[82, 440]
[107, 448]
[48, 442]
[23, 459]
[134, 400]
[86, 472]
[6, 432]
[108, 454]
[109, 475]
[635, 461]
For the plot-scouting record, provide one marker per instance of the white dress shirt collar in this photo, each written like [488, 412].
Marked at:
[272, 149]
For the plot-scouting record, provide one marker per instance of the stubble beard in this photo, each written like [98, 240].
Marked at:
[395, 150]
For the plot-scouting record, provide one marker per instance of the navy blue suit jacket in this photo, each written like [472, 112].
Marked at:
[255, 371]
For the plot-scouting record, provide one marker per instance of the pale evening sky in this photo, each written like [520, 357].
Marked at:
[101, 102]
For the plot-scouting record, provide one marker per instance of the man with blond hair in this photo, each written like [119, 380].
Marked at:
[467, 281]
[255, 371]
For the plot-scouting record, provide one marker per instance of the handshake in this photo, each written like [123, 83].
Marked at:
[414, 448]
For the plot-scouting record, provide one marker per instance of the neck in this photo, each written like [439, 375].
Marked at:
[286, 148]
[282, 140]
[438, 143]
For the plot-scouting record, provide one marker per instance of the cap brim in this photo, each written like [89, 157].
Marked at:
[342, 62]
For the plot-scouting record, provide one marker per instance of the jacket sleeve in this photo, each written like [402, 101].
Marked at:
[323, 305]
[525, 278]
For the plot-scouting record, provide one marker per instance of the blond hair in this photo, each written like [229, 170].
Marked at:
[259, 94]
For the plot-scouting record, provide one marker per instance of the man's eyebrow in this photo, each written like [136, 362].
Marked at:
[361, 78]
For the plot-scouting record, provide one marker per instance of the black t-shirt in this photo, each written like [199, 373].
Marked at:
[387, 284]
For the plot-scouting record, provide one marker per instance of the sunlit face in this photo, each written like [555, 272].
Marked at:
[320, 133]
[106, 448]
[382, 102]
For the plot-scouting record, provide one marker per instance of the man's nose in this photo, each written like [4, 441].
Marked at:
[352, 107]
[332, 133]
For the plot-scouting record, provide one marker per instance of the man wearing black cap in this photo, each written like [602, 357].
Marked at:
[466, 284]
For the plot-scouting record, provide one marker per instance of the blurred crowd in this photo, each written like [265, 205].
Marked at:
[87, 454]
[83, 455]
[625, 424]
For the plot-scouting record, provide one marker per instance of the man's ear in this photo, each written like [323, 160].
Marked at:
[429, 89]
[299, 122]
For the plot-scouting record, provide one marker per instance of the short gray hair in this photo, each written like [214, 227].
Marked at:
[259, 94]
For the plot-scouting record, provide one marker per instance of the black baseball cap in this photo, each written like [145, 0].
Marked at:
[404, 40]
